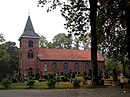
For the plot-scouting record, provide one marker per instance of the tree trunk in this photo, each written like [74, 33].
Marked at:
[128, 30]
[93, 14]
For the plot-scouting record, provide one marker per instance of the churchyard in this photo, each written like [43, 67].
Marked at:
[57, 82]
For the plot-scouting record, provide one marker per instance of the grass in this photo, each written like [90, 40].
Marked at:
[64, 85]
[43, 85]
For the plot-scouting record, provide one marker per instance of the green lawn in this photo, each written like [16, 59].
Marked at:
[43, 85]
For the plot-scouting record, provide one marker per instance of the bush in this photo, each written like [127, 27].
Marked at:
[73, 75]
[76, 83]
[30, 83]
[6, 83]
[67, 75]
[58, 79]
[37, 77]
[64, 79]
[51, 83]
[45, 76]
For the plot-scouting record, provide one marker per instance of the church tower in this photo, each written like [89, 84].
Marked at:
[29, 49]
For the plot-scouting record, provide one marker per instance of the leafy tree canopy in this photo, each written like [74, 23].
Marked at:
[1, 38]
[43, 41]
[9, 58]
[62, 41]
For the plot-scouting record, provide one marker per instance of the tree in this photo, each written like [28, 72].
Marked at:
[93, 15]
[13, 51]
[1, 38]
[43, 42]
[109, 27]
[9, 58]
[113, 28]
[77, 23]
[76, 43]
[77, 13]
[4, 59]
[84, 42]
[62, 41]
[82, 5]
[50, 45]
[6, 83]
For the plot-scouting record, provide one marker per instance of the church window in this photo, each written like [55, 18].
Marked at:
[76, 68]
[30, 71]
[54, 67]
[30, 54]
[65, 67]
[45, 67]
[30, 43]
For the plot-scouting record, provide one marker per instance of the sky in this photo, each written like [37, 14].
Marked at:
[14, 14]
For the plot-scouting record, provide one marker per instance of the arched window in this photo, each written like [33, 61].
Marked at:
[30, 71]
[30, 54]
[45, 67]
[54, 67]
[30, 43]
[76, 68]
[65, 67]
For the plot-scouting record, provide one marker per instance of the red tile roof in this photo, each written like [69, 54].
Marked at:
[67, 54]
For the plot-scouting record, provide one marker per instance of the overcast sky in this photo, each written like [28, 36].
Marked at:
[14, 14]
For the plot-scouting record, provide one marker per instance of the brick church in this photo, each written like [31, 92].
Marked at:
[43, 60]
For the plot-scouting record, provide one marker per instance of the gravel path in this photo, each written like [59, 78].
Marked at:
[110, 91]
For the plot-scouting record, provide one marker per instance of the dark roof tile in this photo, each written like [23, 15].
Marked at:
[29, 30]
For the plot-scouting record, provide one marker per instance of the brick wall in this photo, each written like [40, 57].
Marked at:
[71, 64]
[38, 66]
[25, 62]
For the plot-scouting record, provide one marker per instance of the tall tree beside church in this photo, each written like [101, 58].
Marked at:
[4, 60]
[128, 27]
[13, 51]
[93, 15]
[93, 10]
[113, 28]
[62, 41]
[9, 58]
[4, 56]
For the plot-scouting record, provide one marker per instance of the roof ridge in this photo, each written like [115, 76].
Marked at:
[64, 49]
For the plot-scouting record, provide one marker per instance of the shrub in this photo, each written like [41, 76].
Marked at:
[67, 75]
[51, 83]
[58, 79]
[73, 75]
[76, 83]
[30, 83]
[51, 76]
[37, 76]
[6, 83]
[45, 76]
[64, 79]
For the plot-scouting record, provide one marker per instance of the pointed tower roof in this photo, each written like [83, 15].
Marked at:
[29, 30]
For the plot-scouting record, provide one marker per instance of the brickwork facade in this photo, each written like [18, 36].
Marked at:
[46, 66]
[25, 62]
[35, 60]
